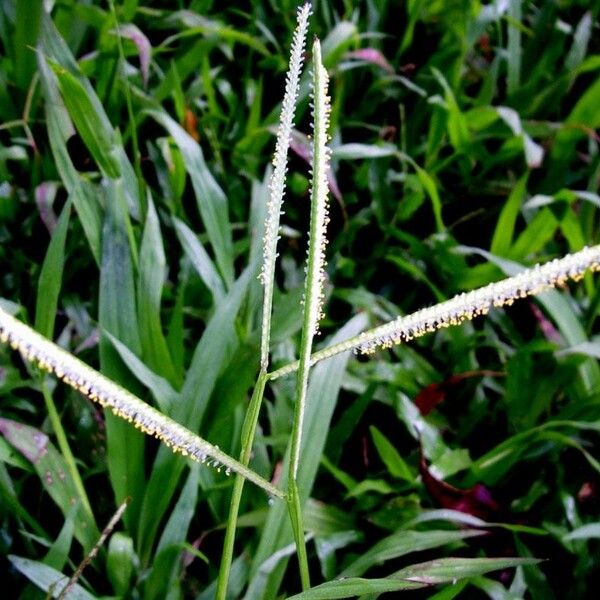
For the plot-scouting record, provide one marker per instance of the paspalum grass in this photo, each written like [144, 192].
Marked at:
[72, 371]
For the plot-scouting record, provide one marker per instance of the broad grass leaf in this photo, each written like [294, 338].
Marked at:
[164, 572]
[120, 562]
[117, 315]
[52, 470]
[48, 579]
[51, 274]
[211, 200]
[210, 356]
[98, 141]
[26, 30]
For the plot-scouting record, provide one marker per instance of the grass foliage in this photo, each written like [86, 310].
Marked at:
[460, 147]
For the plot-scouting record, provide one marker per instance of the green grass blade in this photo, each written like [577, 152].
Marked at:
[51, 276]
[212, 202]
[151, 278]
[117, 315]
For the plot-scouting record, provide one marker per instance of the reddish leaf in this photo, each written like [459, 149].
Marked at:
[133, 33]
[190, 124]
[476, 501]
[430, 396]
[372, 56]
[550, 332]
[299, 144]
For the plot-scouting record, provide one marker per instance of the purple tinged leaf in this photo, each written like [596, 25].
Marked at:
[371, 56]
[133, 33]
[299, 144]
[44, 198]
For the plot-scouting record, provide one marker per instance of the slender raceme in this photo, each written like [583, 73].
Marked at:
[315, 265]
[313, 292]
[463, 307]
[267, 277]
[277, 184]
[52, 358]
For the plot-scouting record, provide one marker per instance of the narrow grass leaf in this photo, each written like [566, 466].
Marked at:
[151, 279]
[402, 543]
[585, 532]
[394, 463]
[200, 259]
[48, 579]
[505, 227]
[447, 570]
[81, 193]
[211, 200]
[161, 389]
[50, 280]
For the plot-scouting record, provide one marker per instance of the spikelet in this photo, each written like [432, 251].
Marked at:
[75, 373]
[277, 183]
[464, 307]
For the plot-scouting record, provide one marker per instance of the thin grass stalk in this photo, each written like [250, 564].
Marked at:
[52, 358]
[463, 307]
[267, 277]
[248, 431]
[313, 291]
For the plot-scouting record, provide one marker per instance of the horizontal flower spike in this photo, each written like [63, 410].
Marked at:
[463, 307]
[75, 373]
[468, 305]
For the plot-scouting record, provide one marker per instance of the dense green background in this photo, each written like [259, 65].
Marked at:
[465, 143]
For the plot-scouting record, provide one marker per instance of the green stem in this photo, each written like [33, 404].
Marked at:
[248, 431]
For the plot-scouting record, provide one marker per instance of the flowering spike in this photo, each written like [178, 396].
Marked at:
[75, 373]
[315, 265]
[463, 307]
[277, 183]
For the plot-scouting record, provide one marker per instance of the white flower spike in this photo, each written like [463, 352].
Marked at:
[277, 184]
[463, 307]
[52, 358]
